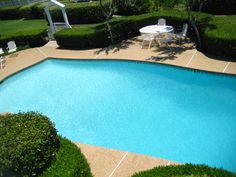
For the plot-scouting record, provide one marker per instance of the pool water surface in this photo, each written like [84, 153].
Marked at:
[152, 109]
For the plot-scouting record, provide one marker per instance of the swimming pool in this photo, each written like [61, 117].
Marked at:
[152, 109]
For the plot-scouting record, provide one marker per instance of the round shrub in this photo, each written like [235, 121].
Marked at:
[187, 170]
[28, 144]
[69, 162]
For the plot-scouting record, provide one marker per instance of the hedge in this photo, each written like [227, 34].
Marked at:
[217, 7]
[69, 162]
[217, 33]
[187, 170]
[28, 144]
[33, 38]
[8, 13]
[219, 36]
[90, 36]
[78, 13]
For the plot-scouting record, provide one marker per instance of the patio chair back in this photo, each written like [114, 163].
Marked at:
[184, 31]
[161, 22]
[1, 51]
[11, 46]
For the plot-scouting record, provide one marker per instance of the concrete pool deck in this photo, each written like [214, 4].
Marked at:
[106, 162]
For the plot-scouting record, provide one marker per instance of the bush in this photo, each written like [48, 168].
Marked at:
[90, 36]
[135, 7]
[10, 13]
[217, 7]
[28, 144]
[80, 13]
[69, 162]
[219, 37]
[32, 11]
[33, 38]
[185, 170]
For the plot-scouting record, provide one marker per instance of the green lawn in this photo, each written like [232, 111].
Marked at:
[9, 27]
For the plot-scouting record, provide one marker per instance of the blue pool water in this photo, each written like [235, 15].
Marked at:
[152, 109]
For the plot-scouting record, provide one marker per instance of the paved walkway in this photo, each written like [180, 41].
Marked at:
[106, 162]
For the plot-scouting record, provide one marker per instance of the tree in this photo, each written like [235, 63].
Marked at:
[108, 12]
[192, 17]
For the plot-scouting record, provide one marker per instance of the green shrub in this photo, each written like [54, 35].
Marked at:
[28, 144]
[33, 11]
[217, 7]
[90, 36]
[219, 37]
[69, 162]
[10, 13]
[79, 13]
[187, 170]
[134, 7]
[33, 38]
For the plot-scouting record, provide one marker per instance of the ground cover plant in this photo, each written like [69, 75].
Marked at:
[30, 146]
[187, 170]
[24, 32]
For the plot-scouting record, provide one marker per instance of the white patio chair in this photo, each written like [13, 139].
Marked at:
[2, 62]
[161, 22]
[147, 38]
[183, 33]
[166, 39]
[1, 51]
[11, 46]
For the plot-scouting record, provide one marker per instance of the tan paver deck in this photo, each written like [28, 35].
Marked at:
[106, 162]
[113, 163]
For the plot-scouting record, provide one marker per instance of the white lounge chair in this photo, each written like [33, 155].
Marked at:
[2, 62]
[11, 46]
[161, 22]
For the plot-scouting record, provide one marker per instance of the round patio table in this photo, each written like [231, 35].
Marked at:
[155, 29]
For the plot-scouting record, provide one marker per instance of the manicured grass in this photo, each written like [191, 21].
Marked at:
[18, 26]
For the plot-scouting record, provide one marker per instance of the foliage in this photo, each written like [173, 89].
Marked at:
[28, 144]
[187, 170]
[23, 32]
[10, 13]
[217, 7]
[32, 11]
[134, 7]
[219, 36]
[69, 162]
[90, 36]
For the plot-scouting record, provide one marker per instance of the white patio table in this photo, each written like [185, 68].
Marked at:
[156, 29]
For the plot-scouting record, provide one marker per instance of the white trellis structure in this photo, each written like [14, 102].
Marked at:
[53, 25]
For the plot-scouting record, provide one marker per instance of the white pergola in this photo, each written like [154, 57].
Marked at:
[62, 7]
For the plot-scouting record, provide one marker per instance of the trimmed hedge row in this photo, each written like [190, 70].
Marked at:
[218, 36]
[217, 7]
[69, 162]
[185, 170]
[90, 36]
[28, 144]
[79, 13]
[33, 38]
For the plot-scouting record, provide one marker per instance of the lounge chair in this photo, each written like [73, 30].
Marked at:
[11, 47]
[2, 61]
[161, 22]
